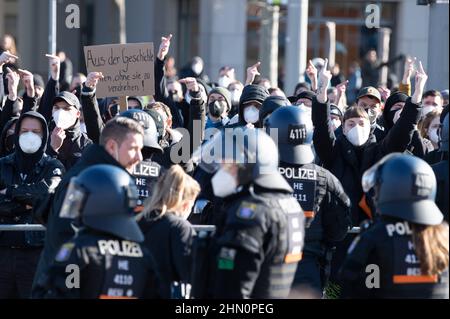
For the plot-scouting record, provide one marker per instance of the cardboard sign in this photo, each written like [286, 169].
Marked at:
[128, 69]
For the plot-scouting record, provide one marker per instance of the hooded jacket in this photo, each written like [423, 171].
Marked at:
[26, 178]
[418, 146]
[251, 92]
[4, 149]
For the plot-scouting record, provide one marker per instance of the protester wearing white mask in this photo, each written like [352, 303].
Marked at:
[431, 100]
[349, 155]
[67, 140]
[26, 175]
[226, 76]
[357, 130]
[250, 103]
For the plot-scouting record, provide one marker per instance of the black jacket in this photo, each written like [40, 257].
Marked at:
[92, 114]
[258, 246]
[324, 202]
[73, 146]
[107, 270]
[75, 141]
[179, 110]
[59, 230]
[26, 178]
[397, 263]
[347, 162]
[7, 147]
[169, 239]
[418, 146]
[180, 153]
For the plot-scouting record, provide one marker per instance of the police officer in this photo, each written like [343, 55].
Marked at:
[441, 171]
[405, 253]
[259, 238]
[147, 172]
[320, 194]
[105, 257]
[26, 175]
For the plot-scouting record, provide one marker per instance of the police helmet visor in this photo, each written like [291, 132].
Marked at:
[73, 201]
[371, 176]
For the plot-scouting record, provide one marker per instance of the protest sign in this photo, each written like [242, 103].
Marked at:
[128, 69]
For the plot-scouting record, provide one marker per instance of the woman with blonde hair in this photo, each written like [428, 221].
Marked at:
[168, 235]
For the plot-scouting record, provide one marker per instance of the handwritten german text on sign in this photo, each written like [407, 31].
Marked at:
[128, 69]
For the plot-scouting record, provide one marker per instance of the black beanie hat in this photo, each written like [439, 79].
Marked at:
[253, 92]
[310, 95]
[225, 93]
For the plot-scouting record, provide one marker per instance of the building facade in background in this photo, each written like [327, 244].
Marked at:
[227, 32]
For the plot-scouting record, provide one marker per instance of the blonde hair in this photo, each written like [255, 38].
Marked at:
[425, 123]
[173, 188]
[431, 246]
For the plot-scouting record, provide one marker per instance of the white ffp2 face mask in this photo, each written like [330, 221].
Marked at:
[224, 81]
[235, 96]
[336, 123]
[223, 183]
[251, 114]
[30, 142]
[433, 136]
[63, 119]
[358, 135]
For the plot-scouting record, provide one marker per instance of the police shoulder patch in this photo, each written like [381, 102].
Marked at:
[64, 252]
[247, 210]
[226, 258]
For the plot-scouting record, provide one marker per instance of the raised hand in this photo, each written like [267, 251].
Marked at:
[57, 138]
[324, 81]
[421, 80]
[55, 66]
[28, 81]
[311, 72]
[191, 84]
[252, 72]
[409, 70]
[341, 97]
[6, 57]
[13, 82]
[92, 79]
[164, 47]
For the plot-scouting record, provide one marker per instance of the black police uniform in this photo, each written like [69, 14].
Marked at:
[327, 219]
[388, 245]
[111, 268]
[105, 256]
[259, 238]
[26, 178]
[320, 194]
[261, 244]
[382, 262]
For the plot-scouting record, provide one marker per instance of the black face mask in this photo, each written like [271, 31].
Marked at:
[9, 143]
[216, 108]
